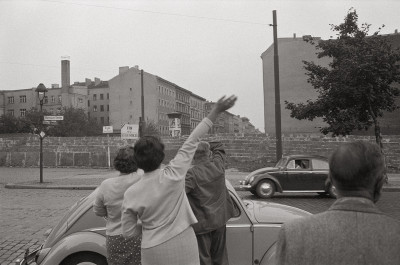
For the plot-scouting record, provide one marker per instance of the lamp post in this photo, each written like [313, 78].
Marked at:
[41, 93]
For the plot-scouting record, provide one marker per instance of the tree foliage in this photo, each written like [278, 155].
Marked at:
[151, 129]
[357, 86]
[75, 123]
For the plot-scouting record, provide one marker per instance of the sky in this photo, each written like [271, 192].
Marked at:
[211, 48]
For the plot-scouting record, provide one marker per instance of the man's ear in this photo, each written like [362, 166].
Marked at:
[378, 187]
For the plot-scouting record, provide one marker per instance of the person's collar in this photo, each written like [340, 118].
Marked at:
[356, 204]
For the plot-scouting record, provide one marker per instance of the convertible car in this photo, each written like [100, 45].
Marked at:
[79, 237]
[294, 173]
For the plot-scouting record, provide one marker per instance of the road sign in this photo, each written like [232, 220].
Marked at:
[53, 118]
[130, 131]
[49, 122]
[108, 129]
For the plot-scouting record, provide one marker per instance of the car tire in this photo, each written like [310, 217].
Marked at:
[332, 191]
[85, 257]
[265, 189]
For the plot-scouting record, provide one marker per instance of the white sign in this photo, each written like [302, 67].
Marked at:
[108, 129]
[130, 131]
[53, 118]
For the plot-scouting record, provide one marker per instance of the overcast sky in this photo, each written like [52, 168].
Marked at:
[211, 48]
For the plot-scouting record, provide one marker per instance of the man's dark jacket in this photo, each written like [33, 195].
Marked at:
[207, 192]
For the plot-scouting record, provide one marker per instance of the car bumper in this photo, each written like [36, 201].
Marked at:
[244, 187]
[29, 258]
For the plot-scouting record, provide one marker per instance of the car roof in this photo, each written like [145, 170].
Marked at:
[307, 156]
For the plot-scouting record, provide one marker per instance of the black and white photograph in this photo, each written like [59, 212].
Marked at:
[199, 132]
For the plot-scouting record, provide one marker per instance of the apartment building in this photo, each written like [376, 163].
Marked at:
[295, 88]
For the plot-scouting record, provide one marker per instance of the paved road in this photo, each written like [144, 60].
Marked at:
[27, 214]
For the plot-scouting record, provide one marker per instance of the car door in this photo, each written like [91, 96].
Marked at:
[296, 176]
[239, 236]
[320, 169]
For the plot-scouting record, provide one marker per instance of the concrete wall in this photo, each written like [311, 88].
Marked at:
[245, 152]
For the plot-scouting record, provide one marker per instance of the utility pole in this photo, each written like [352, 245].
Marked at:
[141, 120]
[278, 130]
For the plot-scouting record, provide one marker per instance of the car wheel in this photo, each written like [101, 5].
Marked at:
[332, 191]
[85, 258]
[265, 189]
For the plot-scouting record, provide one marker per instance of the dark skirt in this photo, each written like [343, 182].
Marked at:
[122, 251]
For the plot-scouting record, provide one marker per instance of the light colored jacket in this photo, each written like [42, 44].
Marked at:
[159, 200]
[109, 198]
[352, 231]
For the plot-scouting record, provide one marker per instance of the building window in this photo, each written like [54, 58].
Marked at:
[108, 96]
[23, 112]
[101, 107]
[88, 103]
[80, 100]
[46, 99]
[130, 89]
[102, 120]
[53, 99]
[10, 100]
[94, 108]
[108, 107]
[101, 97]
[94, 97]
[10, 112]
[22, 99]
[59, 99]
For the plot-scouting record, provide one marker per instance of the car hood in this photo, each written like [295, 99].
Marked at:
[69, 218]
[261, 171]
[268, 212]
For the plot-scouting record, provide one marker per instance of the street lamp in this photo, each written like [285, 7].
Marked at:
[41, 93]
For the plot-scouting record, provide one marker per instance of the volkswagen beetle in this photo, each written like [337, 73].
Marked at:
[293, 173]
[79, 237]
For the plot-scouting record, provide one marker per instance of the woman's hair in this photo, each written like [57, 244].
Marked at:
[124, 162]
[149, 153]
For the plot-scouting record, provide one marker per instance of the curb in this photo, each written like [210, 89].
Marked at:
[91, 187]
[54, 187]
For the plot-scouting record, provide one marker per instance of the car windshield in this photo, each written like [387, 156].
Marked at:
[281, 163]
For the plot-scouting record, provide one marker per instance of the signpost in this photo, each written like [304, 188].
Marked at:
[130, 131]
[53, 118]
[108, 130]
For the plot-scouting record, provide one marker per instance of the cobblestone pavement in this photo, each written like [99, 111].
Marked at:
[27, 214]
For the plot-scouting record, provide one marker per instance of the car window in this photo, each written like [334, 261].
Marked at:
[299, 164]
[320, 164]
[291, 165]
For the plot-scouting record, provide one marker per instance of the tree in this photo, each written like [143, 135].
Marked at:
[9, 124]
[150, 129]
[356, 87]
[75, 123]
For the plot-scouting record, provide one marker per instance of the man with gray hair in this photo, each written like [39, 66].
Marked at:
[210, 202]
[353, 230]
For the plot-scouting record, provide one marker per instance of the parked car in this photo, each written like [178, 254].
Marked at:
[80, 235]
[293, 173]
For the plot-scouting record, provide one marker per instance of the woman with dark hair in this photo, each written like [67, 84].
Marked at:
[159, 199]
[109, 197]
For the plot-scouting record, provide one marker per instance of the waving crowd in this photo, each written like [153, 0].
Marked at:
[176, 214]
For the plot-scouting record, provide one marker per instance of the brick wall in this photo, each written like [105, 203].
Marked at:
[245, 152]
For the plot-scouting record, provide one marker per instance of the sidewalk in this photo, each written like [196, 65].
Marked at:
[90, 179]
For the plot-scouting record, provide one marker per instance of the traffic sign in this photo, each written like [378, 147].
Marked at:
[53, 118]
[130, 131]
[108, 129]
